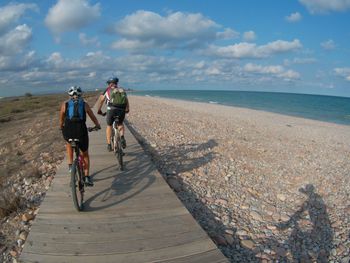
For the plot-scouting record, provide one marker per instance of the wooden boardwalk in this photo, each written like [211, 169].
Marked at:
[130, 216]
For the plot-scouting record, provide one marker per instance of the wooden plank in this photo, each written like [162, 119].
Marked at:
[157, 255]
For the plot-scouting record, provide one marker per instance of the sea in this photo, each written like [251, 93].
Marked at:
[317, 107]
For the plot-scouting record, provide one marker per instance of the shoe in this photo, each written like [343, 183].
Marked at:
[123, 142]
[109, 147]
[88, 181]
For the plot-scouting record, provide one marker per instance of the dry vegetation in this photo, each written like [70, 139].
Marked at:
[31, 147]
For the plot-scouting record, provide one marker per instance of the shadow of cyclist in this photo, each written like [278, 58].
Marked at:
[311, 237]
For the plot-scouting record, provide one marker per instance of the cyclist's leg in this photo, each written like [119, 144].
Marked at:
[121, 127]
[84, 147]
[121, 114]
[69, 150]
[108, 133]
[86, 162]
[109, 120]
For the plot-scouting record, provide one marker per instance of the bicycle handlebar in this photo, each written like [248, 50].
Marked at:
[102, 113]
[96, 128]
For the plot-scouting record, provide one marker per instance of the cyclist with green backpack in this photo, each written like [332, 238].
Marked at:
[117, 105]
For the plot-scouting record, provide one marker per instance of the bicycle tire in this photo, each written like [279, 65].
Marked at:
[120, 154]
[75, 186]
[112, 140]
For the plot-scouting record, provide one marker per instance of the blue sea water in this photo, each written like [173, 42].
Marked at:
[318, 107]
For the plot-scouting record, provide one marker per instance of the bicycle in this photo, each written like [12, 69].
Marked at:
[77, 174]
[116, 143]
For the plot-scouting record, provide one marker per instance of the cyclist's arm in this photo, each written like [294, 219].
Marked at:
[91, 115]
[62, 111]
[101, 99]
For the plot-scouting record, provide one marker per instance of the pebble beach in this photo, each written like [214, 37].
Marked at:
[265, 187]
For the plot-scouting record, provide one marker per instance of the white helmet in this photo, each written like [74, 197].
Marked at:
[74, 90]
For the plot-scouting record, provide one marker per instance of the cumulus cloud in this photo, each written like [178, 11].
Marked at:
[326, 6]
[88, 41]
[343, 72]
[275, 70]
[176, 30]
[294, 17]
[69, 15]
[250, 50]
[14, 41]
[249, 36]
[228, 33]
[11, 13]
[299, 61]
[328, 45]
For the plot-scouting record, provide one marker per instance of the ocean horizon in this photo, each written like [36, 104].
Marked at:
[325, 108]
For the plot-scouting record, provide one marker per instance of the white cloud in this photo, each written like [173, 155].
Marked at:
[288, 62]
[132, 45]
[69, 15]
[326, 6]
[343, 72]
[250, 50]
[328, 45]
[294, 17]
[11, 13]
[275, 70]
[14, 41]
[228, 33]
[176, 30]
[249, 36]
[88, 41]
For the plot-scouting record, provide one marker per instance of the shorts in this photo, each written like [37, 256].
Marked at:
[113, 112]
[79, 131]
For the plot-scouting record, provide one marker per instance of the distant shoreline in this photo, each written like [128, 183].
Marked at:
[328, 109]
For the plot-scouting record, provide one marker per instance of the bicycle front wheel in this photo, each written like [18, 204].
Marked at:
[76, 186]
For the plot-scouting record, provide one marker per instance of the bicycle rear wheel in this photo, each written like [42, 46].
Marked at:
[112, 140]
[77, 186]
[120, 154]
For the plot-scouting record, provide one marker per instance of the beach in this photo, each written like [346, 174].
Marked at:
[264, 186]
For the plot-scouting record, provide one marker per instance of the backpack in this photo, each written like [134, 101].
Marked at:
[118, 97]
[75, 110]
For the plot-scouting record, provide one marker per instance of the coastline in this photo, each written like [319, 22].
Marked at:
[242, 173]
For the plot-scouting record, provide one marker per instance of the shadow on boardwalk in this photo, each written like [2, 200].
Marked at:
[126, 184]
[306, 243]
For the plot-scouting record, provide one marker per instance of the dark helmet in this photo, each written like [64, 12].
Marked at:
[74, 90]
[114, 80]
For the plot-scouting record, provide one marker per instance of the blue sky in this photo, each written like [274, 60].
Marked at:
[298, 46]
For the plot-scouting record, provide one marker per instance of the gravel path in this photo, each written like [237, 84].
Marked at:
[264, 186]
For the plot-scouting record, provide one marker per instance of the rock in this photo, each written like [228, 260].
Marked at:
[247, 244]
[281, 197]
[27, 217]
[222, 202]
[256, 216]
[220, 240]
[23, 235]
[229, 239]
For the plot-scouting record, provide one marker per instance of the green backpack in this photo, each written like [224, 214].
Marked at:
[118, 97]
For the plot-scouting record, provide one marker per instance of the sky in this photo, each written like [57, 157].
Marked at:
[295, 46]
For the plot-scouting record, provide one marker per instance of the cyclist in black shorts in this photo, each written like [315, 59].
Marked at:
[73, 125]
[116, 106]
